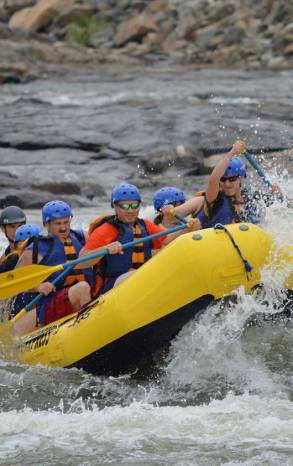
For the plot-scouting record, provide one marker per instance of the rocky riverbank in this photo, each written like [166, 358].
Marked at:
[76, 135]
[46, 34]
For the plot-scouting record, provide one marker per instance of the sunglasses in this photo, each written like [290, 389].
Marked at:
[231, 179]
[133, 206]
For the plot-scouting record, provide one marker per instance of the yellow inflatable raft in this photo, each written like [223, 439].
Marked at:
[124, 329]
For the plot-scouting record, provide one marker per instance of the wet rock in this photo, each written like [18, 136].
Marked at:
[6, 175]
[63, 187]
[135, 28]
[107, 153]
[187, 158]
[92, 191]
[158, 161]
[182, 157]
[24, 198]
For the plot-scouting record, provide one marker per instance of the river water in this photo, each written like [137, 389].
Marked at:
[222, 396]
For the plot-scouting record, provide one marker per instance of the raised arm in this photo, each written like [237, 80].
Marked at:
[214, 181]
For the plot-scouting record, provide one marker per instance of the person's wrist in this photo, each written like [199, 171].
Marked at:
[230, 154]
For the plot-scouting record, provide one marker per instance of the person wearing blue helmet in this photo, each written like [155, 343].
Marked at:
[27, 231]
[62, 244]
[226, 201]
[112, 231]
[167, 196]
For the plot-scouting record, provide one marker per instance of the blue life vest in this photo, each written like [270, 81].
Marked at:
[113, 265]
[222, 211]
[117, 264]
[52, 251]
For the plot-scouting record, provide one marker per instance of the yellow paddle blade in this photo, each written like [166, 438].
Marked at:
[18, 316]
[25, 278]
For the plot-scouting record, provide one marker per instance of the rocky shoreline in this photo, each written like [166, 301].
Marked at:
[95, 91]
[45, 34]
[75, 136]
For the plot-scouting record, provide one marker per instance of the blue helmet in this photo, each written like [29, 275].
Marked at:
[55, 209]
[125, 192]
[168, 195]
[27, 231]
[235, 167]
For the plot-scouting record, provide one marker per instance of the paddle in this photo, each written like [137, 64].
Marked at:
[181, 219]
[23, 279]
[260, 172]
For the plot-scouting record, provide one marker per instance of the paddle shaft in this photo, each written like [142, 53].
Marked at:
[69, 266]
[257, 168]
[261, 173]
[181, 219]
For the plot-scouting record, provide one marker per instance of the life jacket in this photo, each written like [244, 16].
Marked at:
[112, 266]
[10, 258]
[53, 253]
[223, 211]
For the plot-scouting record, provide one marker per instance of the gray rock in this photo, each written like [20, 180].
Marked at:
[11, 6]
[158, 161]
[234, 35]
[92, 191]
[63, 187]
[26, 199]
[5, 31]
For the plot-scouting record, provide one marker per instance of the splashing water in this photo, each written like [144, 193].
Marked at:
[222, 396]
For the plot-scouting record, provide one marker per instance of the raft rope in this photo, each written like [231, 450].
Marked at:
[247, 266]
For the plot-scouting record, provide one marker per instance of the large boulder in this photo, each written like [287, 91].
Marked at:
[41, 15]
[135, 29]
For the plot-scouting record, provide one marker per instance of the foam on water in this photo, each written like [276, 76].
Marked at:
[223, 395]
[238, 428]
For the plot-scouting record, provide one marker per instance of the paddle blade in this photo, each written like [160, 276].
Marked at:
[25, 278]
